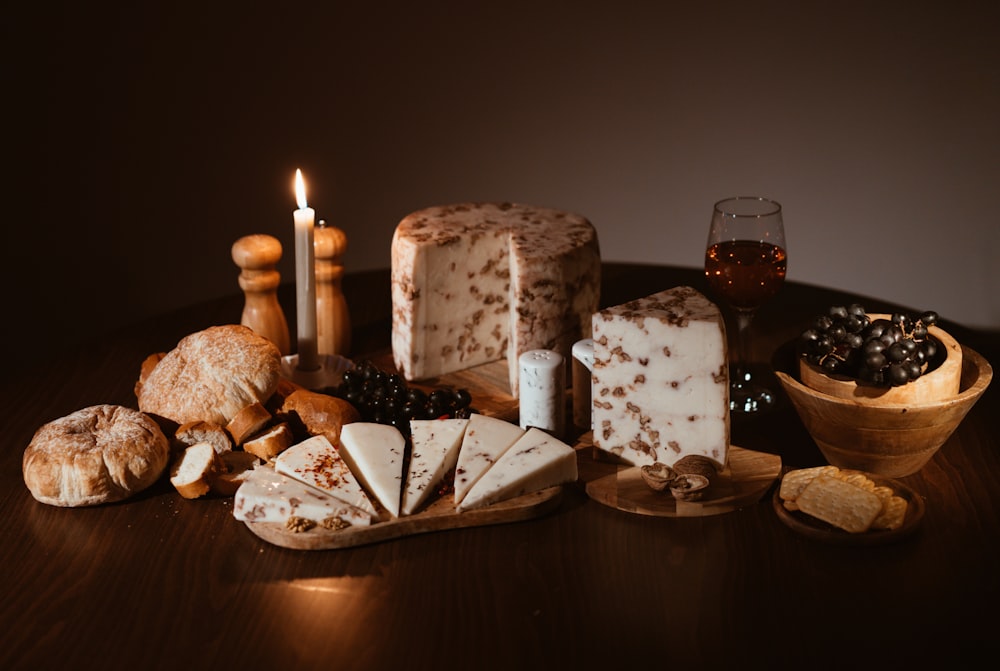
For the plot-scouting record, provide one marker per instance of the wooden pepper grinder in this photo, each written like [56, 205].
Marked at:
[257, 256]
[333, 322]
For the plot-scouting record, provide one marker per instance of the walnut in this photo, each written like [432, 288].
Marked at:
[657, 475]
[697, 465]
[299, 524]
[335, 524]
[688, 486]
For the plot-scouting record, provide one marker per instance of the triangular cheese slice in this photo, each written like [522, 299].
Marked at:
[375, 454]
[317, 463]
[434, 452]
[486, 438]
[269, 496]
[533, 463]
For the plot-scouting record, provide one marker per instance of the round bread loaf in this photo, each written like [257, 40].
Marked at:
[96, 455]
[211, 375]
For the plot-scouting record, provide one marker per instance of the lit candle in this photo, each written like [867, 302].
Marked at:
[305, 279]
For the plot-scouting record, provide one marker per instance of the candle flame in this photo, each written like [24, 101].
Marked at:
[300, 190]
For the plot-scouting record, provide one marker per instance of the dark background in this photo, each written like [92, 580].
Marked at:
[143, 140]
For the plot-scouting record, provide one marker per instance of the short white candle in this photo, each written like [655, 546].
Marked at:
[305, 279]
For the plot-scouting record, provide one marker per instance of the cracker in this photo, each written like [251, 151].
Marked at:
[795, 481]
[839, 503]
[884, 493]
[859, 480]
[893, 514]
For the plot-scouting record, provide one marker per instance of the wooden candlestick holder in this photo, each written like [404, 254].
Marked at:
[333, 321]
[257, 256]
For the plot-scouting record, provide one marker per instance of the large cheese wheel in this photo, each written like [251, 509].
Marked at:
[477, 282]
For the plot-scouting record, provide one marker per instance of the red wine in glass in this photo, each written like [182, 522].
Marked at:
[745, 265]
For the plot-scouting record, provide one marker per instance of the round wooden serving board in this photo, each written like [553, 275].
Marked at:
[439, 515]
[744, 482]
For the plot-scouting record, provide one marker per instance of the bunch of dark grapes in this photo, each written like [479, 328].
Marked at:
[881, 352]
[386, 398]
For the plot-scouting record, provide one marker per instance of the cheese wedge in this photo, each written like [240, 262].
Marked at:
[317, 463]
[660, 385]
[434, 452]
[269, 496]
[375, 453]
[486, 438]
[535, 462]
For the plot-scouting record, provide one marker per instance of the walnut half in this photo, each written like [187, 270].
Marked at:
[299, 524]
[689, 486]
[658, 476]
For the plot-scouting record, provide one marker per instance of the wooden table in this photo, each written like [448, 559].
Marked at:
[159, 582]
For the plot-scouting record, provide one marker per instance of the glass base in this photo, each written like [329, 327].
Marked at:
[329, 374]
[750, 399]
[747, 397]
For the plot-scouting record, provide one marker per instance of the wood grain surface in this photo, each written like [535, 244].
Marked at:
[158, 582]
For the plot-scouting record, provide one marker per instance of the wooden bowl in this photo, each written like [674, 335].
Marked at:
[867, 434]
[941, 383]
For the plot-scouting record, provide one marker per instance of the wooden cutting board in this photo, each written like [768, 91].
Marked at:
[491, 396]
[744, 482]
[438, 516]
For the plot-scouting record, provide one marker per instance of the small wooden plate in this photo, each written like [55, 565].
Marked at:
[439, 515]
[744, 482]
[810, 527]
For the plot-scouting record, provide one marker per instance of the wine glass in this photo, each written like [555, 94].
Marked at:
[745, 263]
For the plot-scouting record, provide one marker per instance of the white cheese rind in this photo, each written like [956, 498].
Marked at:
[317, 463]
[486, 439]
[375, 453]
[435, 445]
[535, 462]
[269, 496]
[476, 282]
[660, 384]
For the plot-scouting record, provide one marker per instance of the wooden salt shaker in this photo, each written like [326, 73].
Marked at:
[257, 256]
[333, 322]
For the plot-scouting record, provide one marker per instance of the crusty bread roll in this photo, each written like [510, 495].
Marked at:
[195, 469]
[318, 414]
[285, 387]
[238, 467]
[211, 375]
[147, 366]
[99, 454]
[202, 432]
[270, 443]
[247, 422]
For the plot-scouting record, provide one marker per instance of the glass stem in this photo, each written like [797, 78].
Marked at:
[743, 320]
